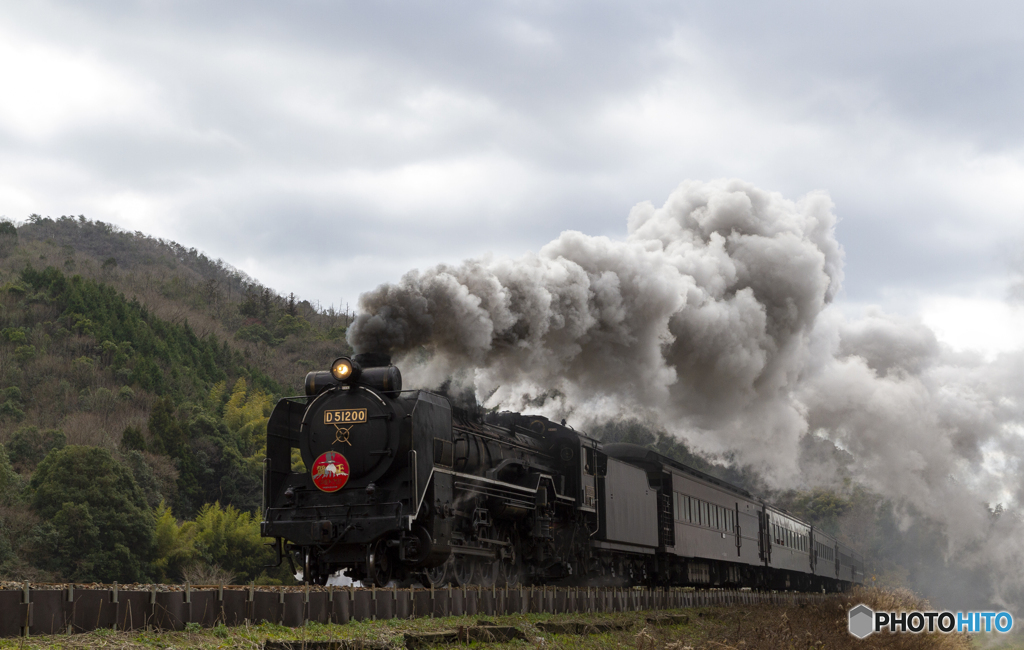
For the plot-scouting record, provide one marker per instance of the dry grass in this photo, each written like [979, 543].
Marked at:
[810, 627]
[204, 574]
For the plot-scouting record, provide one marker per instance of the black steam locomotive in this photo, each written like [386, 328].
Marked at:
[399, 485]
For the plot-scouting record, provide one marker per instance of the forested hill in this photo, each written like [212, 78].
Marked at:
[136, 378]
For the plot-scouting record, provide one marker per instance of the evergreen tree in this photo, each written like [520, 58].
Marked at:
[8, 238]
[9, 479]
[168, 436]
[132, 439]
[97, 524]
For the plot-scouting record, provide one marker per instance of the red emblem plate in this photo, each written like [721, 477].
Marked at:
[330, 471]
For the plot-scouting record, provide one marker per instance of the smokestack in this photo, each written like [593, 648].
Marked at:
[373, 359]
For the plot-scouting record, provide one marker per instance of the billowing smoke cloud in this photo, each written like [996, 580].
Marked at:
[702, 316]
[712, 319]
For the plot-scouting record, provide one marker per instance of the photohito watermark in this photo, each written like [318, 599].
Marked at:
[865, 621]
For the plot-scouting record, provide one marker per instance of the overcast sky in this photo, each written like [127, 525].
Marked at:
[326, 147]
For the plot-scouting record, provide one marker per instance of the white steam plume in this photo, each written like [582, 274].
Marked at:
[711, 318]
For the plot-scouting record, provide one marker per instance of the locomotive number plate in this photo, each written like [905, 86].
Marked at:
[345, 416]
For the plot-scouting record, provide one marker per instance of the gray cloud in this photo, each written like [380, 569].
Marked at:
[502, 125]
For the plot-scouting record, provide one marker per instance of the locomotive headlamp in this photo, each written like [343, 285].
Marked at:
[345, 370]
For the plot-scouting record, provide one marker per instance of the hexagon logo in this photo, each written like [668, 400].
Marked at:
[862, 620]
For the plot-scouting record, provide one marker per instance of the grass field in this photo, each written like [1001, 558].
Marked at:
[810, 627]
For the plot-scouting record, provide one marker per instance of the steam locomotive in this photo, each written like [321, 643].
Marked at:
[399, 485]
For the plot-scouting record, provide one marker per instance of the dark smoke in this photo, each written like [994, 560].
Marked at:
[712, 319]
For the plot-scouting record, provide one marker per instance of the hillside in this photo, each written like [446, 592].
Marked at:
[161, 367]
[280, 336]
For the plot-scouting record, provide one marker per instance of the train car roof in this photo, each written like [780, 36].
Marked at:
[650, 459]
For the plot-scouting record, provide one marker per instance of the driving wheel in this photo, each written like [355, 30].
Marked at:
[488, 571]
[438, 576]
[378, 564]
[510, 563]
[464, 570]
